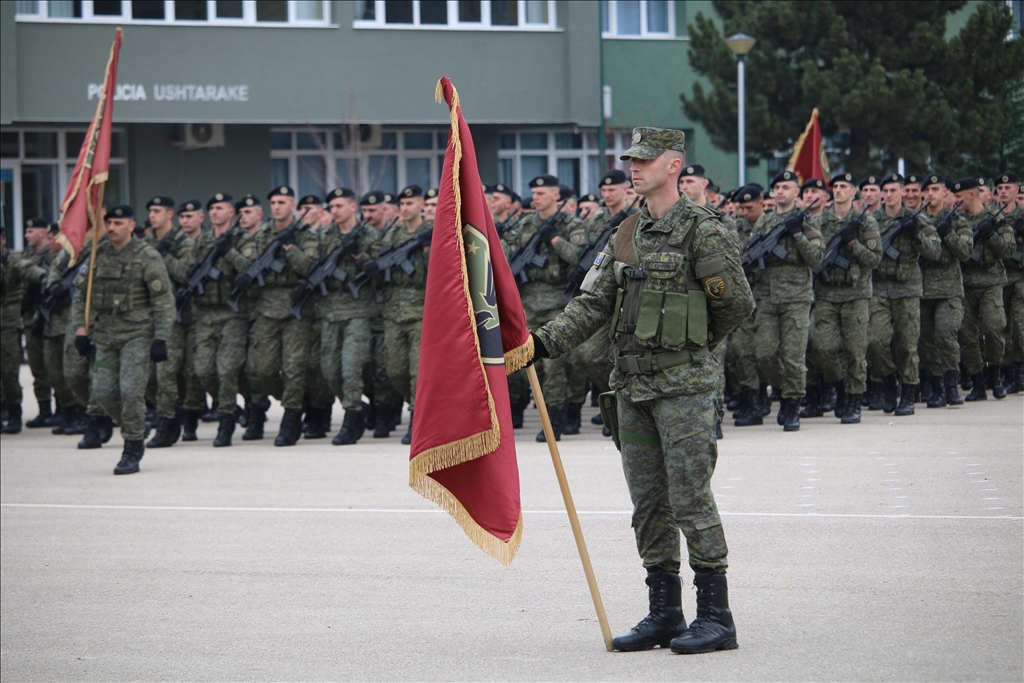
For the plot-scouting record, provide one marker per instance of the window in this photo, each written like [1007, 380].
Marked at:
[455, 14]
[571, 155]
[360, 157]
[637, 19]
[230, 12]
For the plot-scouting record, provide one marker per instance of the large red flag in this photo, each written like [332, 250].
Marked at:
[474, 332]
[809, 159]
[82, 203]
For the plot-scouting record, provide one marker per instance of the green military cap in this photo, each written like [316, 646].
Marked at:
[650, 143]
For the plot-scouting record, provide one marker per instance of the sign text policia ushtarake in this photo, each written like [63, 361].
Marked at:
[174, 92]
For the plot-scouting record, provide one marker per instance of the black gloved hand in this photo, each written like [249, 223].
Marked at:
[548, 232]
[371, 269]
[984, 234]
[222, 245]
[243, 282]
[848, 234]
[287, 238]
[82, 345]
[298, 291]
[792, 227]
[913, 228]
[164, 246]
[945, 228]
[539, 350]
[158, 351]
[575, 273]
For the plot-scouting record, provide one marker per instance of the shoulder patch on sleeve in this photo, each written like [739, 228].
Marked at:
[157, 285]
[715, 287]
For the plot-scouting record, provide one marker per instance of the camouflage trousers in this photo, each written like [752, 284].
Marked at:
[220, 357]
[938, 347]
[670, 483]
[10, 366]
[552, 373]
[280, 350]
[376, 382]
[119, 377]
[981, 333]
[176, 380]
[53, 356]
[76, 369]
[594, 357]
[1013, 303]
[346, 348]
[518, 387]
[318, 392]
[402, 356]
[248, 382]
[743, 346]
[576, 377]
[841, 342]
[780, 344]
[894, 326]
[37, 364]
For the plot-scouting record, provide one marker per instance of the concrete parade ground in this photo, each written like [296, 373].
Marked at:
[888, 551]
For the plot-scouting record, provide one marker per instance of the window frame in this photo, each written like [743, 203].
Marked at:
[613, 33]
[588, 153]
[248, 16]
[453, 21]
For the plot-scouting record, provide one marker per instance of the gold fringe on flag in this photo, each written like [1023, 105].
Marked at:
[800, 143]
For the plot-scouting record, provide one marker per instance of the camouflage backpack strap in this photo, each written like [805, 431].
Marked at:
[625, 250]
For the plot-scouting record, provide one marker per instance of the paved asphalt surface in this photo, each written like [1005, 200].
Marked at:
[889, 551]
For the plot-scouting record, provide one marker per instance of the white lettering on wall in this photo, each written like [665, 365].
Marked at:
[175, 92]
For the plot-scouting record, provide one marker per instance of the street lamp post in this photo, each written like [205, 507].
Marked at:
[741, 44]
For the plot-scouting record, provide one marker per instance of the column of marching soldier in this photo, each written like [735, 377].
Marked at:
[919, 279]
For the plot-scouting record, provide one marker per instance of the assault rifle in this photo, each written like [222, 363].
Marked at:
[319, 272]
[203, 271]
[763, 244]
[509, 224]
[1018, 230]
[944, 226]
[887, 248]
[390, 258]
[266, 260]
[832, 256]
[527, 255]
[982, 231]
[58, 294]
[575, 276]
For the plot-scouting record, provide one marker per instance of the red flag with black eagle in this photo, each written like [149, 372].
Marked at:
[83, 204]
[474, 332]
[809, 159]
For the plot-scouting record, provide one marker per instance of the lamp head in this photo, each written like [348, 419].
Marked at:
[740, 43]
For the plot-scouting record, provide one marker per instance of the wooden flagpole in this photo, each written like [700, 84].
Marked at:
[92, 256]
[570, 508]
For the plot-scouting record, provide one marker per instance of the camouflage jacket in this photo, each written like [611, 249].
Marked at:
[902, 278]
[12, 291]
[339, 304]
[131, 294]
[273, 298]
[941, 279]
[34, 265]
[985, 267]
[789, 280]
[708, 259]
[862, 254]
[60, 317]
[403, 296]
[210, 306]
[543, 292]
[178, 261]
[1015, 264]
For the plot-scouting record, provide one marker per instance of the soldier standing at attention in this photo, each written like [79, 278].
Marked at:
[895, 321]
[10, 336]
[319, 399]
[753, 394]
[257, 402]
[942, 293]
[131, 316]
[1008, 190]
[814, 188]
[984, 280]
[190, 218]
[870, 194]
[429, 204]
[403, 300]
[912, 192]
[820, 397]
[670, 282]
[785, 292]
[35, 258]
[589, 206]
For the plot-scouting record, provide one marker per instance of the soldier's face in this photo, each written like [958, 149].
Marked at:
[409, 208]
[935, 195]
[1007, 192]
[692, 186]
[372, 215]
[119, 231]
[613, 195]
[892, 195]
[342, 210]
[191, 221]
[652, 175]
[588, 209]
[812, 193]
[985, 193]
[751, 210]
[544, 197]
[843, 192]
[160, 217]
[35, 237]
[970, 198]
[310, 215]
[430, 208]
[391, 211]
[221, 213]
[912, 194]
[870, 194]
[250, 217]
[500, 203]
[769, 204]
[281, 208]
[786, 192]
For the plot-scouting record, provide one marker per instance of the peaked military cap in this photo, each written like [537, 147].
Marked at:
[614, 177]
[544, 181]
[748, 193]
[282, 191]
[191, 205]
[1006, 178]
[591, 197]
[932, 179]
[892, 178]
[36, 223]
[340, 193]
[499, 188]
[311, 200]
[119, 211]
[411, 191]
[566, 192]
[160, 200]
[693, 169]
[914, 179]
[247, 200]
[217, 198]
[816, 183]
[843, 178]
[650, 143]
[390, 198]
[372, 198]
[784, 176]
[870, 180]
[431, 193]
[965, 184]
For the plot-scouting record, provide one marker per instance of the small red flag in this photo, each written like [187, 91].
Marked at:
[809, 159]
[474, 332]
[82, 203]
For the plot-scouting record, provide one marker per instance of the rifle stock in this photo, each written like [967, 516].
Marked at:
[390, 258]
[761, 245]
[266, 260]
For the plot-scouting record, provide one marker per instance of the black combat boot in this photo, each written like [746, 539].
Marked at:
[978, 392]
[573, 419]
[314, 426]
[39, 420]
[325, 417]
[937, 394]
[369, 415]
[13, 425]
[189, 423]
[839, 409]
[750, 410]
[106, 428]
[813, 408]
[966, 379]
[780, 417]
[874, 395]
[953, 396]
[407, 439]
[242, 415]
[168, 430]
[382, 425]
[77, 421]
[557, 425]
[792, 422]
[605, 432]
[352, 428]
[58, 417]
[764, 403]
[597, 420]
[1009, 379]
[995, 381]
[852, 414]
[211, 414]
[665, 620]
[224, 431]
[254, 430]
[518, 414]
[890, 393]
[130, 457]
[713, 629]
[91, 437]
[925, 388]
[906, 406]
[291, 428]
[828, 397]
[151, 416]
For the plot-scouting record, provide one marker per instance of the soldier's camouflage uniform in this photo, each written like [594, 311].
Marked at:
[53, 332]
[895, 320]
[984, 280]
[10, 327]
[665, 376]
[1013, 293]
[76, 366]
[132, 305]
[33, 264]
[841, 307]
[942, 309]
[742, 340]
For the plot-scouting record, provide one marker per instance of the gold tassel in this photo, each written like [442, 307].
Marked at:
[517, 358]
